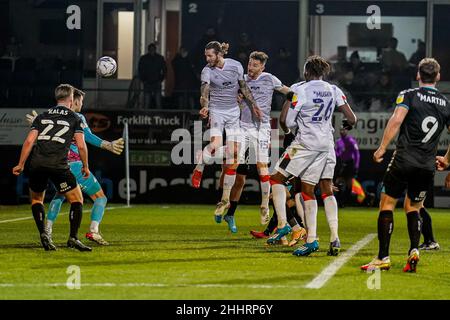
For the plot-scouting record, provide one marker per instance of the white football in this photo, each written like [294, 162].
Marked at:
[106, 66]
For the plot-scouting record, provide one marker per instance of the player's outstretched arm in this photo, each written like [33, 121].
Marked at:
[284, 112]
[115, 146]
[31, 116]
[204, 100]
[392, 129]
[26, 150]
[284, 90]
[249, 96]
[82, 149]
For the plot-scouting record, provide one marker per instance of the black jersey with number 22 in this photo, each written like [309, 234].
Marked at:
[428, 114]
[56, 127]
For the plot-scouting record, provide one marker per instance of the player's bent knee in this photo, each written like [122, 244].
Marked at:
[74, 195]
[102, 201]
[36, 201]
[277, 178]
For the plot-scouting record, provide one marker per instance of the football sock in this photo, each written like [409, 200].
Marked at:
[205, 159]
[279, 201]
[97, 213]
[228, 182]
[295, 214]
[39, 216]
[219, 192]
[75, 215]
[232, 208]
[53, 211]
[291, 216]
[300, 205]
[272, 223]
[200, 167]
[385, 229]
[55, 207]
[311, 219]
[427, 229]
[331, 212]
[413, 229]
[265, 190]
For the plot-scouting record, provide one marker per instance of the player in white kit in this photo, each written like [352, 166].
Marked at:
[311, 112]
[255, 134]
[326, 188]
[221, 79]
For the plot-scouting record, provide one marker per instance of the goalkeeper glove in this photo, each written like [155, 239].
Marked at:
[346, 125]
[115, 146]
[30, 117]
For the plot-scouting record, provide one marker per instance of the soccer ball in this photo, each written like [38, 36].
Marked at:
[106, 66]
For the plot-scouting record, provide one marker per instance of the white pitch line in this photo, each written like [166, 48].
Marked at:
[157, 285]
[31, 217]
[327, 273]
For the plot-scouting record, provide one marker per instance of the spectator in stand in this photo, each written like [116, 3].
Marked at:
[347, 156]
[382, 93]
[152, 72]
[285, 68]
[416, 57]
[186, 82]
[358, 85]
[394, 63]
[244, 46]
[198, 53]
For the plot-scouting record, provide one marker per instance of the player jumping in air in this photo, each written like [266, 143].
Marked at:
[54, 130]
[311, 111]
[419, 119]
[256, 134]
[221, 79]
[89, 185]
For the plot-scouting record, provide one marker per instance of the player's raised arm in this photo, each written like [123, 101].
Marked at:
[82, 149]
[115, 146]
[284, 111]
[26, 150]
[247, 93]
[392, 129]
[284, 90]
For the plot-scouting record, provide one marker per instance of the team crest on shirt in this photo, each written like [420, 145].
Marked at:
[294, 101]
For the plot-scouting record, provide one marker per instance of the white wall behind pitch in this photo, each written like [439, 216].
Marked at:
[334, 32]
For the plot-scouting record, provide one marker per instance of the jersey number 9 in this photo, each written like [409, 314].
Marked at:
[427, 130]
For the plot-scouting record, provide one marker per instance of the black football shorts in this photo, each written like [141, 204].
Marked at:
[400, 177]
[63, 179]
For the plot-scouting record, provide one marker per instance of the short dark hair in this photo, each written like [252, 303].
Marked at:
[429, 69]
[77, 94]
[63, 91]
[316, 66]
[260, 56]
[151, 45]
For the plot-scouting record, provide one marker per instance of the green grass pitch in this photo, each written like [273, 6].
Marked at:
[179, 252]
